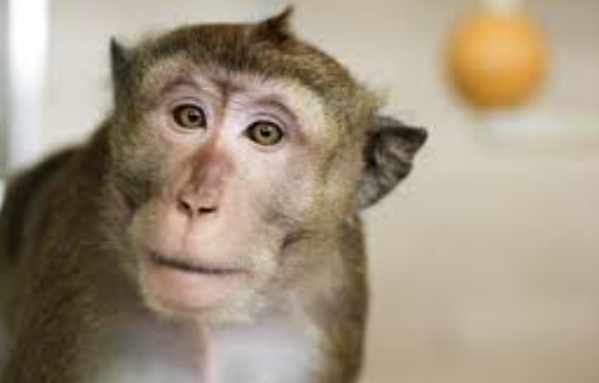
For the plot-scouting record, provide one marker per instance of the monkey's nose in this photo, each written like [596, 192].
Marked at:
[195, 206]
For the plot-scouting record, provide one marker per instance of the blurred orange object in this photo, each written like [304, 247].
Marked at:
[497, 60]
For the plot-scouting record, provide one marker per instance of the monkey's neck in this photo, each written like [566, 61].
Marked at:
[272, 349]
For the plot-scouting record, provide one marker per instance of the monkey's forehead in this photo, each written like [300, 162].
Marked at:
[181, 69]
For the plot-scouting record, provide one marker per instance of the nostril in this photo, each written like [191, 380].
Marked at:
[185, 208]
[191, 209]
[206, 210]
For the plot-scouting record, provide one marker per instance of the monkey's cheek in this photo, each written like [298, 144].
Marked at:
[190, 292]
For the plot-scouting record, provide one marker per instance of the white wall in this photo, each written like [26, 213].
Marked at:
[3, 62]
[485, 264]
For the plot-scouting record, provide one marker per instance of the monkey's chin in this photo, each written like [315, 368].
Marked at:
[179, 290]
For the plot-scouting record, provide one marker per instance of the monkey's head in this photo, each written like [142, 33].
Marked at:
[240, 151]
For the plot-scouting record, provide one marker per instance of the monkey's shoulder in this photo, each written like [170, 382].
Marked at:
[22, 191]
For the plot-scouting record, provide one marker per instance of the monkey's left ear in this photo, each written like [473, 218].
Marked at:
[390, 149]
[120, 58]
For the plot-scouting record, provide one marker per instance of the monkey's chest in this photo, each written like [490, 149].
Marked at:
[270, 353]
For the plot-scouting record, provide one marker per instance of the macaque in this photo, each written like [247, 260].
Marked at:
[209, 231]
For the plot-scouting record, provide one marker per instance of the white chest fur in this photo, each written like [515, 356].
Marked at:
[272, 351]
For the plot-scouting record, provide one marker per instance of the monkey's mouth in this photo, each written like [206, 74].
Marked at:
[188, 285]
[189, 267]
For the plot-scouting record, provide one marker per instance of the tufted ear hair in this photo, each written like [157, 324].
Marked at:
[120, 59]
[278, 27]
[389, 152]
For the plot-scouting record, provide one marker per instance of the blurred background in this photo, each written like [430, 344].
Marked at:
[484, 264]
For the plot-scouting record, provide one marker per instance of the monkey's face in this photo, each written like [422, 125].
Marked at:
[239, 169]
[241, 152]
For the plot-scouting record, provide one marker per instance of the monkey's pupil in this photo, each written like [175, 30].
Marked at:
[192, 116]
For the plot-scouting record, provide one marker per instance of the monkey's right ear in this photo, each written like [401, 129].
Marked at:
[390, 149]
[120, 58]
[278, 27]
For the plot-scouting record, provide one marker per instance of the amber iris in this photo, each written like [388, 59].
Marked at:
[189, 117]
[265, 133]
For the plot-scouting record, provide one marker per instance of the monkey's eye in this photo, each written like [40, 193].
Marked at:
[265, 133]
[189, 116]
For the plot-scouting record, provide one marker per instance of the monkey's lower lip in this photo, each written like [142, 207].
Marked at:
[184, 266]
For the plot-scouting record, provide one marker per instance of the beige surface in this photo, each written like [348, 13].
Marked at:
[485, 265]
